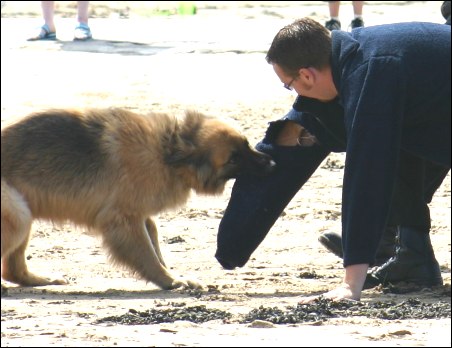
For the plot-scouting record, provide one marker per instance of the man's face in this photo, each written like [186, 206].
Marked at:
[310, 82]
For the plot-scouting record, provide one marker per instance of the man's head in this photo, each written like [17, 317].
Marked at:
[303, 43]
[300, 54]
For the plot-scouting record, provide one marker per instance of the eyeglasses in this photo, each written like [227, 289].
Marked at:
[288, 85]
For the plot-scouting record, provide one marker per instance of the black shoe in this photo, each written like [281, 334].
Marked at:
[394, 271]
[357, 23]
[333, 24]
[333, 242]
[414, 262]
[445, 11]
[386, 249]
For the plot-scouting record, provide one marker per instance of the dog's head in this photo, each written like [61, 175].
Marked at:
[209, 153]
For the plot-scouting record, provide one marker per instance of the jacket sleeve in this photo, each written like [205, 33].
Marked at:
[324, 120]
[373, 97]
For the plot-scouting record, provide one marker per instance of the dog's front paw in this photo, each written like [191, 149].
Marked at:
[59, 282]
[30, 279]
[186, 284]
[39, 281]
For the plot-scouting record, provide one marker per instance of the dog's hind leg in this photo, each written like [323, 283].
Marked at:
[130, 245]
[16, 226]
[152, 232]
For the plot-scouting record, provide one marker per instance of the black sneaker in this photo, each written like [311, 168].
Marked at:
[333, 24]
[357, 23]
[445, 11]
[386, 249]
[332, 242]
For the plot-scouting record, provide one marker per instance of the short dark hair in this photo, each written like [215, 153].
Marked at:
[301, 44]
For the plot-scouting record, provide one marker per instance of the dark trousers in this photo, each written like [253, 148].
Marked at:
[417, 182]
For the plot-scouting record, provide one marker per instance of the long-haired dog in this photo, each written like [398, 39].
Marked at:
[110, 170]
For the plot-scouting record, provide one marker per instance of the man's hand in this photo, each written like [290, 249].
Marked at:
[292, 134]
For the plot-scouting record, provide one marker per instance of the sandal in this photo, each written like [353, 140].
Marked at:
[44, 34]
[82, 32]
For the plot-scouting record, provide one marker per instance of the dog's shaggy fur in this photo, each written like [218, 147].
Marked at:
[109, 170]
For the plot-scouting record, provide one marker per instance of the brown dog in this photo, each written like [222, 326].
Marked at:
[109, 170]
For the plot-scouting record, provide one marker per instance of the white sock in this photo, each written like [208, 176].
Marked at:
[358, 16]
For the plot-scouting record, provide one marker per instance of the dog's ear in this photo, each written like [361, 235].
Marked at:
[179, 152]
[184, 154]
[191, 126]
[182, 146]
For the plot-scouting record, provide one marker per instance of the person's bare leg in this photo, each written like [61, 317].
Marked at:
[82, 12]
[358, 8]
[333, 7]
[48, 10]
[82, 30]
[333, 23]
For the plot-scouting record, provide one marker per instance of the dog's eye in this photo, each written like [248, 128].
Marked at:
[234, 158]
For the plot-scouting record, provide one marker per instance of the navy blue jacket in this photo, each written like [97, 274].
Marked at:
[394, 84]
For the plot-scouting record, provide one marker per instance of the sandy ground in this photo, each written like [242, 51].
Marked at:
[214, 62]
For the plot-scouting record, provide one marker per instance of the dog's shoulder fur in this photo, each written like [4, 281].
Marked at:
[113, 151]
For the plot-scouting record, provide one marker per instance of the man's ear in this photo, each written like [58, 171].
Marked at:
[307, 76]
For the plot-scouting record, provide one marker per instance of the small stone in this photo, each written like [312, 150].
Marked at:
[261, 324]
